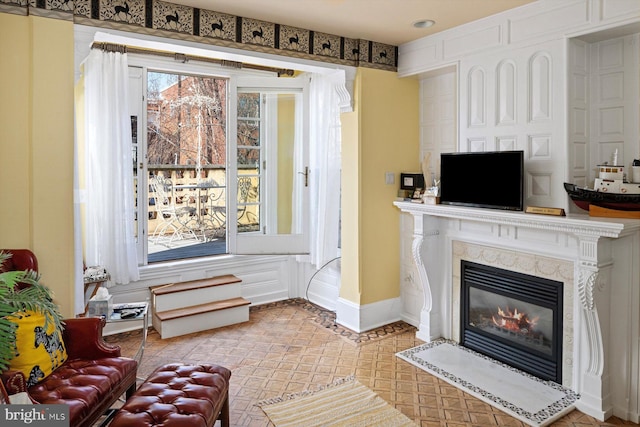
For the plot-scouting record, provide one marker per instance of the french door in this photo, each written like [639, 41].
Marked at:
[269, 146]
[221, 163]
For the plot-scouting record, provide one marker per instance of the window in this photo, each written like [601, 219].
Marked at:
[206, 137]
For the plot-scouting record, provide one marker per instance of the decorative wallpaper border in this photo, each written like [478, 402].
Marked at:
[160, 18]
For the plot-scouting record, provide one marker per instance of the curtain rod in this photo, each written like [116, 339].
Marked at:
[113, 47]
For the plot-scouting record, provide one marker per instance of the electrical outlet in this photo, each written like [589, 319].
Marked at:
[389, 178]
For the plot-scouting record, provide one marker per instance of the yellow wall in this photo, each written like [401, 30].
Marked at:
[286, 138]
[36, 118]
[350, 287]
[381, 135]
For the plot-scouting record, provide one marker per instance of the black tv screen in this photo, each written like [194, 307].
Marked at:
[490, 179]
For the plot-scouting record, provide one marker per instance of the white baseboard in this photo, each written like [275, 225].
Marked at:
[324, 289]
[361, 318]
[410, 319]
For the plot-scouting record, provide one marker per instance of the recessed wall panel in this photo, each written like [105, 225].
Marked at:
[506, 96]
[568, 15]
[539, 147]
[579, 89]
[506, 143]
[476, 101]
[611, 87]
[472, 42]
[428, 134]
[539, 184]
[475, 145]
[611, 121]
[611, 54]
[619, 8]
[580, 152]
[428, 115]
[540, 88]
[579, 123]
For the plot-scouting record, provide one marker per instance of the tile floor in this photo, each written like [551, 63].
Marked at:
[291, 346]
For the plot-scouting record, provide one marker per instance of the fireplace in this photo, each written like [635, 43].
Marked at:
[594, 259]
[513, 317]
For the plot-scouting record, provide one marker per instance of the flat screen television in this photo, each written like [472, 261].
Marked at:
[489, 179]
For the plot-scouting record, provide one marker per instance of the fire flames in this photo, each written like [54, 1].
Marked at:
[514, 320]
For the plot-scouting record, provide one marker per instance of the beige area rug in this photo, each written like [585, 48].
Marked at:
[345, 402]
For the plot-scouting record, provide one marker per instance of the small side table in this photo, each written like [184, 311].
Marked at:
[91, 285]
[141, 309]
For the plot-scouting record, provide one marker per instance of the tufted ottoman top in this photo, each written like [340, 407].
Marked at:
[84, 385]
[177, 395]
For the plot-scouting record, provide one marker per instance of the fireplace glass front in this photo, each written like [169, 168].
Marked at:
[513, 317]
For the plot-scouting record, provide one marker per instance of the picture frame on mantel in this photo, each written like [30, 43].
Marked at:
[411, 181]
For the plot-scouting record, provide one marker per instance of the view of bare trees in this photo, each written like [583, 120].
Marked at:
[186, 120]
[249, 129]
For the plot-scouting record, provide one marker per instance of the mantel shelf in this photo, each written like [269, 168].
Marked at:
[576, 224]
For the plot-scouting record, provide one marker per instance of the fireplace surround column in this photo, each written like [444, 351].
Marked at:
[429, 328]
[592, 272]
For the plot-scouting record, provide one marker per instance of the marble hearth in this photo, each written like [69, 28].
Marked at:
[595, 258]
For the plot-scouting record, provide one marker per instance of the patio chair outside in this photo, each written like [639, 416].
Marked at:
[172, 219]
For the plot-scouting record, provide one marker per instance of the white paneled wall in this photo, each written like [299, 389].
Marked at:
[512, 100]
[578, 113]
[524, 81]
[614, 100]
[558, 79]
[603, 113]
[438, 117]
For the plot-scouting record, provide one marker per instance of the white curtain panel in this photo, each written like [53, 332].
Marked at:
[325, 163]
[109, 239]
[77, 234]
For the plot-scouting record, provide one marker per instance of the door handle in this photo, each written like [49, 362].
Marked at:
[306, 176]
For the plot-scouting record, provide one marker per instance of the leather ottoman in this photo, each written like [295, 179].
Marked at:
[178, 395]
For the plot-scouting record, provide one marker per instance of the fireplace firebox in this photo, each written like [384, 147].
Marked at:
[513, 317]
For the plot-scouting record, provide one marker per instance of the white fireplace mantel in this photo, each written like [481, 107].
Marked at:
[605, 360]
[579, 225]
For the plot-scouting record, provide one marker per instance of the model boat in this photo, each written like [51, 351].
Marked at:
[610, 191]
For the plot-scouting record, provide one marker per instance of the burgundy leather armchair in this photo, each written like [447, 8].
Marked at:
[94, 375]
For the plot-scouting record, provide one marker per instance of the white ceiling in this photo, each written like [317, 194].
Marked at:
[384, 21]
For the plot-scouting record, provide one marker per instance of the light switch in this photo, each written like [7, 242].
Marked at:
[389, 178]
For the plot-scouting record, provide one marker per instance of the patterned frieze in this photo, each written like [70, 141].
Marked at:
[218, 25]
[130, 11]
[172, 17]
[207, 26]
[17, 7]
[326, 45]
[295, 39]
[253, 31]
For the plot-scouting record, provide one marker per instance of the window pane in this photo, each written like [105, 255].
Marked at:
[186, 120]
[186, 157]
[248, 133]
[248, 189]
[248, 218]
[248, 157]
[249, 105]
